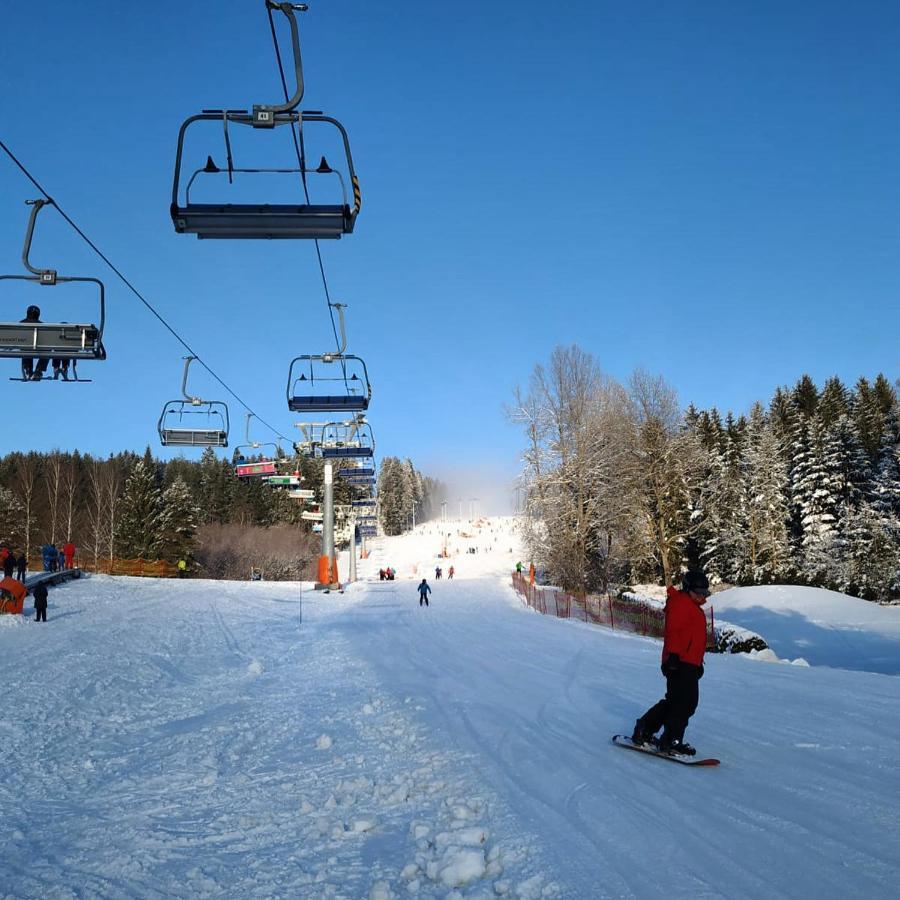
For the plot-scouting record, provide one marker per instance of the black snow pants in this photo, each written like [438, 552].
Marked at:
[423, 597]
[40, 613]
[676, 708]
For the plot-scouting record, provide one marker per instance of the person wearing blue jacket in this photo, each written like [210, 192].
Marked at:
[424, 591]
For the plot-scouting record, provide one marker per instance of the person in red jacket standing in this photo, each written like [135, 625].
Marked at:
[682, 663]
[69, 553]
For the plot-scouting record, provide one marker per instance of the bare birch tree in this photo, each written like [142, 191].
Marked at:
[26, 485]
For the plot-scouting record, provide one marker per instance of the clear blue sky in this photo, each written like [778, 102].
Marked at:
[707, 190]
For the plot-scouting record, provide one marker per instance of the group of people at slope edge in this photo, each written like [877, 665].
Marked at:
[439, 572]
[35, 372]
[57, 558]
[13, 566]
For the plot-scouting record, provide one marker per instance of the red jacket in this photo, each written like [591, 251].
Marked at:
[685, 628]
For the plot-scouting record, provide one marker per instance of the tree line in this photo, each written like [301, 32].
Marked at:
[405, 495]
[623, 485]
[135, 506]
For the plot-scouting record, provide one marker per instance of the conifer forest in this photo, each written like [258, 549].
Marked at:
[622, 485]
[129, 506]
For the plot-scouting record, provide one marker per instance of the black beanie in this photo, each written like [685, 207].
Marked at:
[695, 580]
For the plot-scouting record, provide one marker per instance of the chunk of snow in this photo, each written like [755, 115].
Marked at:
[462, 868]
[324, 742]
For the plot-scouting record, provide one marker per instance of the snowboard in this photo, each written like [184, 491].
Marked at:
[621, 740]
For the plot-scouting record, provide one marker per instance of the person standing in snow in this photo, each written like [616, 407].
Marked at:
[21, 566]
[182, 568]
[9, 564]
[684, 644]
[69, 553]
[40, 602]
[424, 591]
[450, 572]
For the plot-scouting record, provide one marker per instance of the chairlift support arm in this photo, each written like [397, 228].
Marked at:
[194, 401]
[264, 113]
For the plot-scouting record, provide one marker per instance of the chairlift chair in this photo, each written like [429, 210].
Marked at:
[355, 441]
[268, 220]
[63, 341]
[357, 472]
[246, 468]
[182, 424]
[328, 382]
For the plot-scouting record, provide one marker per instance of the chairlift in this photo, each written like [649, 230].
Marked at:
[350, 440]
[268, 220]
[267, 465]
[329, 382]
[193, 422]
[357, 472]
[63, 342]
[362, 502]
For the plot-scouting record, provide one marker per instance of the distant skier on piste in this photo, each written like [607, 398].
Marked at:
[424, 591]
[684, 644]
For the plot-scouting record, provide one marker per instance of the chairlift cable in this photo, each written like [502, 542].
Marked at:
[300, 158]
[131, 287]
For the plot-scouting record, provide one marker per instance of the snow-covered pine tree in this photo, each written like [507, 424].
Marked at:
[390, 496]
[178, 522]
[11, 519]
[766, 487]
[725, 553]
[816, 492]
[137, 536]
[872, 560]
[216, 488]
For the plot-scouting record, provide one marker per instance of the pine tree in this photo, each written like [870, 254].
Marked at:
[12, 512]
[178, 523]
[216, 488]
[391, 496]
[138, 532]
[766, 478]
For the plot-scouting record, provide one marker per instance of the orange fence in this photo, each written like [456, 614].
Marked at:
[611, 612]
[148, 568]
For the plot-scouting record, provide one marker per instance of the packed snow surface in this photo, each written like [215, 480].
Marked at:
[223, 739]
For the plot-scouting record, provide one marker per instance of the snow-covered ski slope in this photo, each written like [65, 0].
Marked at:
[209, 739]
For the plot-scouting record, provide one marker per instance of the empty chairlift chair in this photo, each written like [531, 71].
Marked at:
[268, 220]
[328, 382]
[350, 440]
[63, 342]
[265, 465]
[193, 422]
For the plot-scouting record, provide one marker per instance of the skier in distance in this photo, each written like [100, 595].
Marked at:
[684, 644]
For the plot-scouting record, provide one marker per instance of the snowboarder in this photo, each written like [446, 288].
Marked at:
[40, 602]
[424, 591]
[450, 572]
[684, 644]
[21, 566]
[182, 568]
[519, 568]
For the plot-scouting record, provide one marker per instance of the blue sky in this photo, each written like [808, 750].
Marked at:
[706, 190]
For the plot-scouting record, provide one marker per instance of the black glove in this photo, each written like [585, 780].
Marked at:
[672, 664]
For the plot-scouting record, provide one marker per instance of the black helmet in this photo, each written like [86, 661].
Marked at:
[33, 312]
[695, 580]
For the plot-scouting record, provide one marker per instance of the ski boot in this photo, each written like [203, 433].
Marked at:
[675, 747]
[641, 735]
